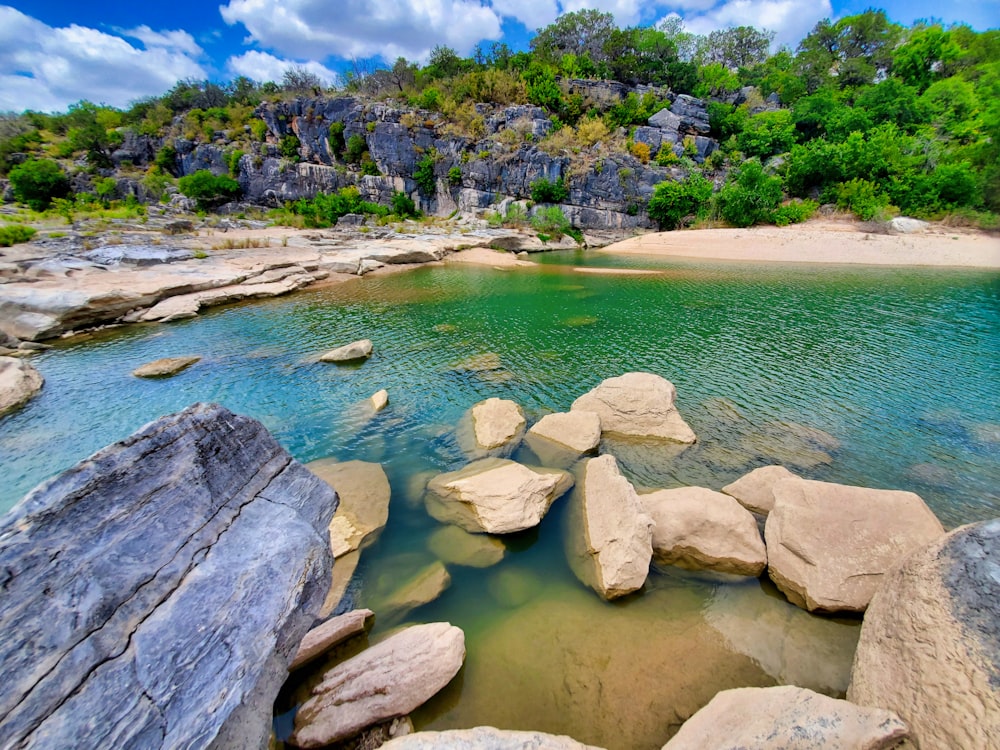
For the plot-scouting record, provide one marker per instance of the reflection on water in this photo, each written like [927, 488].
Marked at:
[864, 376]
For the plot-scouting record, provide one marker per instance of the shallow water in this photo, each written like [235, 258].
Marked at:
[879, 377]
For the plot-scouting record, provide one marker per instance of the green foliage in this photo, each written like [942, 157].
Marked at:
[258, 129]
[633, 110]
[13, 234]
[455, 175]
[767, 134]
[750, 197]
[336, 137]
[17, 143]
[355, 149]
[672, 202]
[715, 79]
[326, 208]
[545, 191]
[156, 182]
[232, 159]
[423, 175]
[863, 198]
[207, 189]
[37, 182]
[920, 61]
[891, 101]
[289, 146]
[403, 206]
[552, 221]
[166, 159]
[105, 188]
[794, 212]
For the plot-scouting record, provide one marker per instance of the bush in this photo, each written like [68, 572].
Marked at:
[37, 182]
[337, 143]
[166, 159]
[403, 206]
[258, 129]
[751, 198]
[863, 198]
[423, 175]
[672, 201]
[544, 191]
[552, 221]
[233, 162]
[640, 151]
[455, 175]
[15, 233]
[326, 208]
[355, 149]
[208, 189]
[794, 212]
[289, 146]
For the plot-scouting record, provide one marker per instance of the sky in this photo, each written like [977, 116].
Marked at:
[57, 52]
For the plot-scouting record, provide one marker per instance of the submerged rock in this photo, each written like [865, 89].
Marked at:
[423, 588]
[453, 545]
[352, 352]
[700, 529]
[930, 642]
[153, 607]
[787, 718]
[390, 679]
[755, 491]
[164, 368]
[364, 494]
[637, 404]
[828, 545]
[19, 383]
[485, 738]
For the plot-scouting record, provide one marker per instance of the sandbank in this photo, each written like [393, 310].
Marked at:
[484, 256]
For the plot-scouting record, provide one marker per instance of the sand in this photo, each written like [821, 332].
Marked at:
[484, 256]
[822, 241]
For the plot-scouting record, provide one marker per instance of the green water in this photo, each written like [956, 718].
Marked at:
[886, 378]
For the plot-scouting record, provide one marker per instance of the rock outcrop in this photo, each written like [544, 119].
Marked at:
[364, 494]
[619, 533]
[930, 642]
[637, 404]
[700, 529]
[147, 603]
[331, 633]
[828, 545]
[485, 738]
[19, 383]
[390, 679]
[787, 718]
[495, 495]
[353, 352]
[164, 368]
[755, 491]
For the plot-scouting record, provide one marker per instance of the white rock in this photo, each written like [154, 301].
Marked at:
[380, 399]
[497, 423]
[755, 491]
[166, 367]
[578, 430]
[331, 633]
[352, 352]
[364, 494]
[638, 404]
[906, 225]
[485, 738]
[19, 382]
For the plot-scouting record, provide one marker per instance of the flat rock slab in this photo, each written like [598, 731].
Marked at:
[455, 546]
[930, 642]
[755, 491]
[390, 679]
[164, 368]
[19, 383]
[146, 602]
[137, 255]
[353, 352]
[700, 529]
[423, 588]
[495, 495]
[579, 430]
[364, 494]
[497, 423]
[331, 633]
[637, 404]
[787, 718]
[828, 545]
[486, 738]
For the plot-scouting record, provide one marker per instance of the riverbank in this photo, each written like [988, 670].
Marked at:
[823, 240]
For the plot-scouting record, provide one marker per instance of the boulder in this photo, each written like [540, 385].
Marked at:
[930, 642]
[497, 423]
[906, 225]
[352, 352]
[331, 633]
[147, 603]
[454, 546]
[380, 400]
[637, 404]
[618, 531]
[700, 529]
[485, 738]
[755, 491]
[19, 382]
[828, 545]
[164, 368]
[364, 494]
[426, 586]
[495, 495]
[340, 582]
[578, 430]
[787, 718]
[390, 679]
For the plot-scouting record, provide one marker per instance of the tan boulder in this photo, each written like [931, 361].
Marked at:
[828, 545]
[379, 399]
[364, 494]
[485, 738]
[331, 633]
[700, 529]
[579, 430]
[390, 679]
[755, 491]
[930, 642]
[618, 531]
[787, 718]
[164, 368]
[637, 404]
[426, 586]
[19, 382]
[495, 495]
[340, 581]
[353, 352]
[497, 423]
[455, 546]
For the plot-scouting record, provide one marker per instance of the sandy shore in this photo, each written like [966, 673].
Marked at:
[822, 241]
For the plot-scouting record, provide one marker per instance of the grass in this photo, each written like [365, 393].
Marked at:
[14, 234]
[242, 244]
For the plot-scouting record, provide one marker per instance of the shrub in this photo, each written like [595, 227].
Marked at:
[552, 221]
[208, 189]
[794, 212]
[666, 157]
[37, 182]
[355, 148]
[15, 233]
[233, 161]
[863, 198]
[544, 191]
[672, 201]
[455, 175]
[326, 208]
[258, 129]
[640, 151]
[166, 159]
[423, 175]
[751, 197]
[403, 206]
[105, 188]
[289, 146]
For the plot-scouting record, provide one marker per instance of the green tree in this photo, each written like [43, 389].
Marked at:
[37, 182]
[672, 202]
[423, 175]
[584, 32]
[545, 191]
[767, 134]
[923, 58]
[750, 197]
[207, 189]
[737, 47]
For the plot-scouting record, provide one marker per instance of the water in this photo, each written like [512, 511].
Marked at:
[879, 377]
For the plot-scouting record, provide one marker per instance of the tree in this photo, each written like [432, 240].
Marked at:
[639, 55]
[444, 62]
[584, 32]
[750, 197]
[738, 47]
[37, 182]
[208, 189]
[924, 57]
[299, 80]
[672, 202]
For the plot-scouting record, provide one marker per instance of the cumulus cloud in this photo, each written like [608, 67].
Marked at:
[534, 14]
[363, 28]
[789, 19]
[261, 67]
[178, 40]
[47, 68]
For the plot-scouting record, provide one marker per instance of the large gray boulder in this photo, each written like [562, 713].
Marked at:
[19, 382]
[485, 738]
[930, 642]
[155, 593]
[828, 545]
[637, 404]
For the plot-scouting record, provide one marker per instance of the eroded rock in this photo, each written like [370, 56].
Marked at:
[164, 368]
[637, 404]
[497, 424]
[486, 738]
[331, 633]
[364, 494]
[755, 491]
[353, 352]
[423, 588]
[19, 383]
[578, 430]
[379, 400]
[453, 545]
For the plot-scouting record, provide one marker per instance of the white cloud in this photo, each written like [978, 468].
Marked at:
[534, 14]
[261, 67]
[47, 68]
[178, 40]
[791, 20]
[363, 28]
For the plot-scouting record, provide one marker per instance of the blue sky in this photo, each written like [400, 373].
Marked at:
[56, 52]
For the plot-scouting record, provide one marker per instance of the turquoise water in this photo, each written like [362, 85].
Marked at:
[879, 377]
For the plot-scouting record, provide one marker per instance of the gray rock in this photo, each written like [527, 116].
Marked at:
[137, 255]
[146, 602]
[693, 115]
